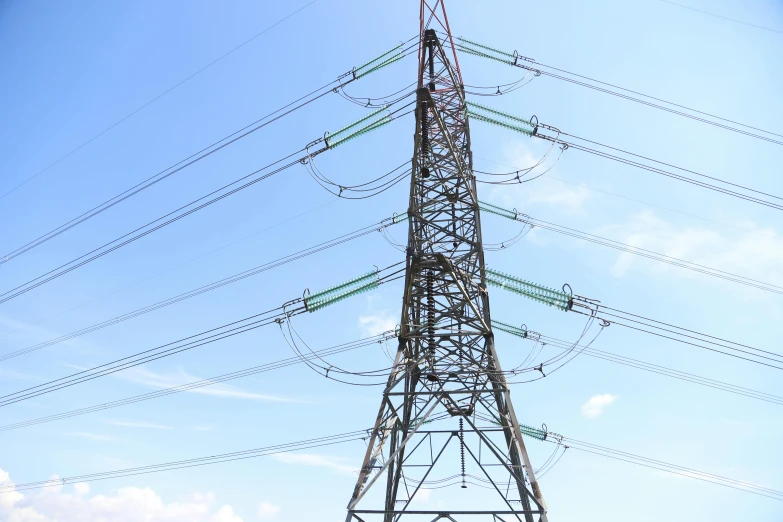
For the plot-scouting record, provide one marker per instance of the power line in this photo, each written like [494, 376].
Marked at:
[205, 152]
[146, 229]
[191, 463]
[186, 343]
[532, 127]
[309, 303]
[623, 247]
[595, 309]
[152, 180]
[350, 436]
[675, 469]
[566, 300]
[531, 65]
[654, 368]
[670, 110]
[702, 11]
[156, 98]
[209, 287]
[275, 365]
[647, 203]
[658, 170]
[184, 211]
[169, 269]
[730, 192]
[720, 339]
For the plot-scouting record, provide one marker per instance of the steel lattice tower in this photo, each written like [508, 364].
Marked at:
[446, 417]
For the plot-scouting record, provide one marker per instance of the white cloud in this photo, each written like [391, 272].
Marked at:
[267, 510]
[33, 333]
[545, 190]
[146, 377]
[757, 254]
[129, 504]
[147, 425]
[75, 367]
[26, 331]
[555, 192]
[422, 496]
[377, 323]
[596, 405]
[225, 514]
[13, 324]
[8, 374]
[88, 435]
[311, 459]
[521, 156]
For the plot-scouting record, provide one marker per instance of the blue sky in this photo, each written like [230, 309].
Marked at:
[72, 70]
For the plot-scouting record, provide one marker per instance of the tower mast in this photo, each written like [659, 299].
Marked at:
[446, 416]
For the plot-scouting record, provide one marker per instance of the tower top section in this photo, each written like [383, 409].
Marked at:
[432, 17]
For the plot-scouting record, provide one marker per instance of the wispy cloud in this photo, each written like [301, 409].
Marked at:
[555, 192]
[8, 374]
[225, 514]
[376, 324]
[146, 425]
[11, 323]
[422, 496]
[141, 375]
[312, 459]
[30, 333]
[21, 330]
[547, 190]
[75, 367]
[88, 435]
[752, 254]
[597, 404]
[267, 510]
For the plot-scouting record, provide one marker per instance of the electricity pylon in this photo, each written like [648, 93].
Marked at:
[446, 417]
